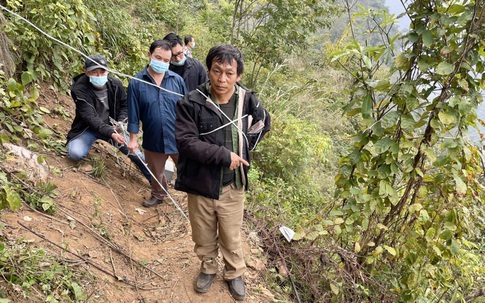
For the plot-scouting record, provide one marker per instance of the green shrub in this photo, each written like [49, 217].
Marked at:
[41, 57]
[34, 274]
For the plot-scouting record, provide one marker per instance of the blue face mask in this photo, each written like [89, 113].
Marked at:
[98, 81]
[158, 67]
[180, 63]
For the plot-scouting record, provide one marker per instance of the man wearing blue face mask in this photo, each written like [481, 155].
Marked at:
[191, 70]
[98, 98]
[152, 96]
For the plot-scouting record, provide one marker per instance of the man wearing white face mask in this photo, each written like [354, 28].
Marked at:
[191, 70]
[98, 98]
[153, 103]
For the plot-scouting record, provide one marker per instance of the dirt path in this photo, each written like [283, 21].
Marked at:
[137, 254]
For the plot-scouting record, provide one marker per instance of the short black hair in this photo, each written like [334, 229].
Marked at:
[225, 53]
[173, 39]
[160, 44]
[188, 39]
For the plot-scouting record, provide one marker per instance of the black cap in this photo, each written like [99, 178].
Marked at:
[94, 62]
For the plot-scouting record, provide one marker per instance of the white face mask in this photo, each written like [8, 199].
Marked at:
[193, 44]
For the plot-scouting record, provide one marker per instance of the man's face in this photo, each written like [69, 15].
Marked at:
[223, 76]
[98, 72]
[161, 55]
[178, 53]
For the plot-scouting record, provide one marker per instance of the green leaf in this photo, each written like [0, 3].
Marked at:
[367, 106]
[456, 9]
[423, 216]
[45, 133]
[390, 250]
[427, 38]
[449, 143]
[430, 234]
[34, 93]
[386, 190]
[463, 84]
[367, 61]
[335, 289]
[298, 236]
[383, 85]
[408, 122]
[44, 110]
[444, 68]
[455, 248]
[423, 65]
[357, 247]
[446, 235]
[337, 221]
[413, 37]
[415, 207]
[26, 78]
[401, 61]
[390, 119]
[78, 292]
[446, 118]
[435, 124]
[383, 145]
[450, 226]
[460, 185]
[381, 226]
[13, 198]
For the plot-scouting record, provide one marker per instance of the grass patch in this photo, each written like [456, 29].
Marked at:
[31, 273]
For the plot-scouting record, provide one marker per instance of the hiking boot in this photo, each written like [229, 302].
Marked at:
[204, 282]
[152, 202]
[237, 288]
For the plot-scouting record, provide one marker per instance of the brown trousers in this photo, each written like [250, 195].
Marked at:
[156, 164]
[216, 224]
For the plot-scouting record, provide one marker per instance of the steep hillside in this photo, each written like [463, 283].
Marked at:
[136, 254]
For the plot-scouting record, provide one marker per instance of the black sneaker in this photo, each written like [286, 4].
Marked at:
[237, 288]
[152, 202]
[204, 282]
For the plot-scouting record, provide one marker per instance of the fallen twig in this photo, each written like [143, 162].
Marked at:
[98, 267]
[112, 246]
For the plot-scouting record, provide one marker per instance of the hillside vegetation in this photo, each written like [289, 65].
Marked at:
[368, 160]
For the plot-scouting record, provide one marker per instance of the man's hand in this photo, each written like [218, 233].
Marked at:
[133, 144]
[236, 161]
[118, 138]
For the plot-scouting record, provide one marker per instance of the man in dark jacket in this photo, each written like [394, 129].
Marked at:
[216, 126]
[191, 70]
[99, 98]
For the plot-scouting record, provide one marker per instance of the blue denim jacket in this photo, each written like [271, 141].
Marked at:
[155, 108]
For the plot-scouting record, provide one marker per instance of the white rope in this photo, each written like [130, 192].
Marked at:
[233, 122]
[224, 125]
[122, 126]
[85, 56]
